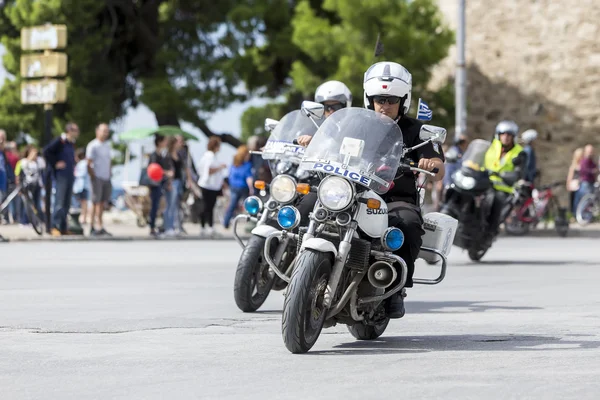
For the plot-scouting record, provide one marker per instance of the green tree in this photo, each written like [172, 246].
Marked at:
[337, 40]
[179, 57]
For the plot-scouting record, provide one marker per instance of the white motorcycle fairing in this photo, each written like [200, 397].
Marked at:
[373, 222]
[264, 230]
[318, 244]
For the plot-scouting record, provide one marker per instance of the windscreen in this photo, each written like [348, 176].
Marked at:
[358, 144]
[291, 126]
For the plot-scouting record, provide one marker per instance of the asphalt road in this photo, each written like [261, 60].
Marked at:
[157, 320]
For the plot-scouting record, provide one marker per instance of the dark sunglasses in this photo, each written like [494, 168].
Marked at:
[386, 99]
[333, 107]
[505, 133]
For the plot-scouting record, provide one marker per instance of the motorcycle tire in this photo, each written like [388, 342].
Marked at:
[368, 332]
[476, 254]
[583, 216]
[303, 310]
[252, 273]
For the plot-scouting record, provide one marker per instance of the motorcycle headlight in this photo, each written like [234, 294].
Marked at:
[288, 217]
[463, 182]
[283, 189]
[335, 193]
[253, 205]
[283, 167]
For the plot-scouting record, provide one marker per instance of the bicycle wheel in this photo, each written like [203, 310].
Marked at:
[587, 209]
[35, 218]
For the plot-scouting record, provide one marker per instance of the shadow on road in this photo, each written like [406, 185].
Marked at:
[424, 344]
[534, 263]
[437, 307]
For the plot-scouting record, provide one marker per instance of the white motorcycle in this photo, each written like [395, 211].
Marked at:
[254, 279]
[346, 268]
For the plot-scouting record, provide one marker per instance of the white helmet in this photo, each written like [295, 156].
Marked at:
[529, 135]
[508, 127]
[388, 79]
[334, 91]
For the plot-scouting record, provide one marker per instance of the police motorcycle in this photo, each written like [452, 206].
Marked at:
[254, 276]
[345, 268]
[469, 199]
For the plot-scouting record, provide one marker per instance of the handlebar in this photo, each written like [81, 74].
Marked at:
[410, 167]
[295, 141]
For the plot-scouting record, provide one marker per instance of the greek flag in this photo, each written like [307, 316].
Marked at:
[424, 113]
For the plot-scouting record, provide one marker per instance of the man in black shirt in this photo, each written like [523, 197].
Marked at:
[387, 90]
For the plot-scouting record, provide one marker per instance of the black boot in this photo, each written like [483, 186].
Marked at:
[396, 305]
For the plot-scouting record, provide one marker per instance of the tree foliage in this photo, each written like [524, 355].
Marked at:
[185, 59]
[336, 40]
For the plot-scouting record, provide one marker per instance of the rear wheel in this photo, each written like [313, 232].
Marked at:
[587, 209]
[35, 218]
[304, 311]
[514, 226]
[368, 332]
[476, 254]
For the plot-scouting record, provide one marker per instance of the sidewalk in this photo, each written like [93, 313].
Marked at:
[122, 226]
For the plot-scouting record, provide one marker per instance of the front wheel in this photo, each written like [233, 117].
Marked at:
[35, 219]
[253, 279]
[303, 310]
[368, 332]
[586, 209]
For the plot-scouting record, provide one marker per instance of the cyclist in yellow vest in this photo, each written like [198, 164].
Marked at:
[500, 158]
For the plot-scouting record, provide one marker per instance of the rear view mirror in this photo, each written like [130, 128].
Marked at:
[433, 133]
[312, 109]
[270, 124]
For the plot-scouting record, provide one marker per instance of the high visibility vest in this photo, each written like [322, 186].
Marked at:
[494, 163]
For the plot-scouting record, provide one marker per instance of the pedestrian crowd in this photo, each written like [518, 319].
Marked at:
[81, 178]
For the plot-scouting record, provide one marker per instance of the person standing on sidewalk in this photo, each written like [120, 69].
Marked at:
[60, 158]
[240, 182]
[99, 169]
[175, 187]
[7, 174]
[211, 183]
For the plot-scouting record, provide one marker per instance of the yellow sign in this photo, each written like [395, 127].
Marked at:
[43, 65]
[44, 37]
[46, 91]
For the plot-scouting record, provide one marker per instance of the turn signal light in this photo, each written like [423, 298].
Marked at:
[303, 188]
[260, 185]
[373, 204]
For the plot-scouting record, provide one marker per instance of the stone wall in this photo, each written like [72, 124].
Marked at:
[536, 62]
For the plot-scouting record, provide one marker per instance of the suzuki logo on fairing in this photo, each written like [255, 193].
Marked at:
[343, 172]
[371, 211]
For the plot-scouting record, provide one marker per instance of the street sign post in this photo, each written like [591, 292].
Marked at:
[43, 65]
[44, 91]
[47, 91]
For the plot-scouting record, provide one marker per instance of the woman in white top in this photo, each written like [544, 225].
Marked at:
[210, 182]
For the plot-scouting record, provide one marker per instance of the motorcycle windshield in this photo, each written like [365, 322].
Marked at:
[280, 143]
[474, 157]
[360, 145]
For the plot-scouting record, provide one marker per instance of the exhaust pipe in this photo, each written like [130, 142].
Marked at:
[381, 274]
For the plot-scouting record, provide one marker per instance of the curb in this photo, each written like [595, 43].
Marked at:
[114, 239]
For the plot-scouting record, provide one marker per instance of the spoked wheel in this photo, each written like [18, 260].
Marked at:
[587, 209]
[476, 254]
[253, 278]
[35, 218]
[514, 226]
[304, 311]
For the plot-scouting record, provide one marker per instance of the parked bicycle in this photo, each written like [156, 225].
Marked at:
[588, 209]
[34, 215]
[535, 206]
